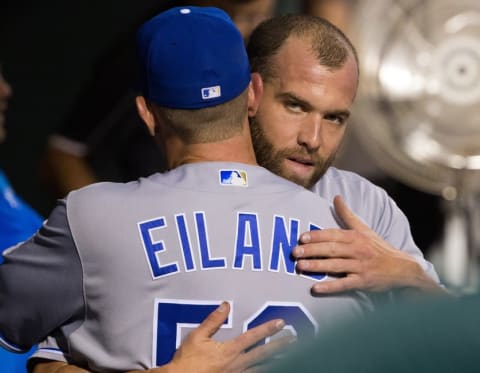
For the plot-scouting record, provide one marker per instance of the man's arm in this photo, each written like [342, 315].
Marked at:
[63, 172]
[199, 352]
[368, 261]
[29, 306]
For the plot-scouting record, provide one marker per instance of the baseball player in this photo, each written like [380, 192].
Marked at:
[120, 273]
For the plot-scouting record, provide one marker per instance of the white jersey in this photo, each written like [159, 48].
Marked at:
[120, 273]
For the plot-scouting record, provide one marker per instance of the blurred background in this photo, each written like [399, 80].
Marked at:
[414, 129]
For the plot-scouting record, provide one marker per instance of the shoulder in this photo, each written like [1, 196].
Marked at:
[97, 199]
[349, 185]
[116, 196]
[104, 190]
[367, 200]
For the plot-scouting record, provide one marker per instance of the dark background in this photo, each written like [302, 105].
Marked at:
[47, 50]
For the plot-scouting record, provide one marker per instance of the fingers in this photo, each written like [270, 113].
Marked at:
[337, 286]
[328, 265]
[213, 322]
[329, 249]
[252, 336]
[326, 235]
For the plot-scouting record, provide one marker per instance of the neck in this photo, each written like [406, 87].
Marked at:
[235, 149]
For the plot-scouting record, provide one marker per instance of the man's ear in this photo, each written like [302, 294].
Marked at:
[146, 114]
[255, 91]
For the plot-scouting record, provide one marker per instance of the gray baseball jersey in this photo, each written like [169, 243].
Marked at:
[373, 205]
[120, 273]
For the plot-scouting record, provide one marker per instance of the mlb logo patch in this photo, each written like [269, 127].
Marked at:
[211, 92]
[233, 177]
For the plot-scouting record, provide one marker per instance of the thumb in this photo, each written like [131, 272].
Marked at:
[351, 220]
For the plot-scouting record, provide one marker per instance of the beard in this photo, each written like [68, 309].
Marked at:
[272, 159]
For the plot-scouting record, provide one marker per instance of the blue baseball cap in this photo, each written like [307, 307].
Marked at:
[191, 58]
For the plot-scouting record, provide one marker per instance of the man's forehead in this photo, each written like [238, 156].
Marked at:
[294, 45]
[296, 59]
[326, 91]
[297, 52]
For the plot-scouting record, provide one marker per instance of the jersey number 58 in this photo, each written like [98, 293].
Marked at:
[171, 315]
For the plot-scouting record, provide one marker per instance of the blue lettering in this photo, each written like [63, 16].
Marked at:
[152, 248]
[283, 242]
[248, 241]
[203, 242]
[185, 242]
[295, 316]
[314, 227]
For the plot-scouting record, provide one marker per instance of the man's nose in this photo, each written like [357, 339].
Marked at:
[310, 135]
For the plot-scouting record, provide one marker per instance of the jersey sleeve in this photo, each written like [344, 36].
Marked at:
[376, 208]
[18, 221]
[41, 285]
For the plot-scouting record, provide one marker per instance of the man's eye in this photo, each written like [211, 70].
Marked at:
[338, 119]
[294, 106]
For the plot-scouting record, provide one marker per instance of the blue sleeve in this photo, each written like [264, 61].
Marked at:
[14, 363]
[18, 221]
[41, 285]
